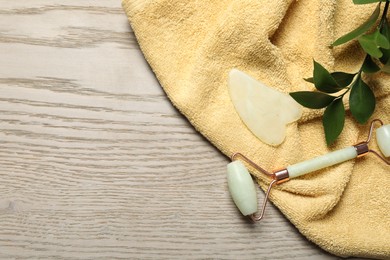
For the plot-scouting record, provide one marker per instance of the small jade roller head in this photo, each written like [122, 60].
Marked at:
[242, 188]
[383, 139]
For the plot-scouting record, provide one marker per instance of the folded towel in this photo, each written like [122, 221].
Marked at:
[192, 45]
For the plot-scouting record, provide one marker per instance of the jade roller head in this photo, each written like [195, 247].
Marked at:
[242, 188]
[383, 139]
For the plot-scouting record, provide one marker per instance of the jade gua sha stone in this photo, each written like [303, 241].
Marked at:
[264, 110]
[242, 189]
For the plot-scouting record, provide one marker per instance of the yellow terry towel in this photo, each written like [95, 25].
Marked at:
[192, 45]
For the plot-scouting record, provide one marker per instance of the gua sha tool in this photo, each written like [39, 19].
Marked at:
[242, 188]
[265, 111]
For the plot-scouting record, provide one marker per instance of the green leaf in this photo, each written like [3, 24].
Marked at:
[381, 40]
[311, 80]
[323, 81]
[360, 30]
[333, 120]
[361, 101]
[343, 79]
[369, 66]
[372, 43]
[385, 30]
[315, 100]
[362, 2]
[369, 46]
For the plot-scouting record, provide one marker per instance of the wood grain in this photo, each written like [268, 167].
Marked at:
[95, 161]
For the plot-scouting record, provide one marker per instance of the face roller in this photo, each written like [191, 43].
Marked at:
[242, 188]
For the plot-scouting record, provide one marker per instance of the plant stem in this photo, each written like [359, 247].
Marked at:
[359, 75]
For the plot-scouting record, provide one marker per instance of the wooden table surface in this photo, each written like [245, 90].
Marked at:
[95, 161]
